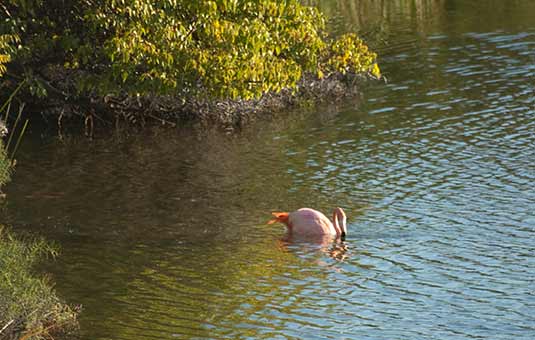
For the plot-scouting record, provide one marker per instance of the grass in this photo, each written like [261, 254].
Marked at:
[29, 306]
[5, 166]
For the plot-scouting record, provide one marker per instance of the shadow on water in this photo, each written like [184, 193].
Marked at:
[163, 233]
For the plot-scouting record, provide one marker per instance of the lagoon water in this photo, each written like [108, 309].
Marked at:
[163, 234]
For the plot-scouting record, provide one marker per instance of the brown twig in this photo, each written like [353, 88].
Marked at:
[6, 326]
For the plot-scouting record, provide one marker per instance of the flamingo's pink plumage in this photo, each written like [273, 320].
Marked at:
[308, 221]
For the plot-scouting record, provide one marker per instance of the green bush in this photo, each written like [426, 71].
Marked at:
[28, 304]
[220, 48]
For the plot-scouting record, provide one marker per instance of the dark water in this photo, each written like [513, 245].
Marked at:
[163, 234]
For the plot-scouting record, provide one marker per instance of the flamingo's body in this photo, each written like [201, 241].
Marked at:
[306, 221]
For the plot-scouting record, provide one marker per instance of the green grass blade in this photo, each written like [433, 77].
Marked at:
[18, 141]
[8, 101]
[21, 107]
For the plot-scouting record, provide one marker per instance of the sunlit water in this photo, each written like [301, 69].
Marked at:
[163, 234]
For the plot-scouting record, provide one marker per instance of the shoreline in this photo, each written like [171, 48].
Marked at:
[114, 112]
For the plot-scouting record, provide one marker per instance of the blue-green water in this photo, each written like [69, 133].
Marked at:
[163, 234]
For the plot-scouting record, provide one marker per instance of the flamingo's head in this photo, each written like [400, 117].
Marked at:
[281, 217]
[340, 220]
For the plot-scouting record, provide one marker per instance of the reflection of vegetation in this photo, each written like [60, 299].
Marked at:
[361, 14]
[376, 19]
[213, 290]
[29, 308]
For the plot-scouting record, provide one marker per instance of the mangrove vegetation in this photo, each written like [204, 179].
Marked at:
[104, 60]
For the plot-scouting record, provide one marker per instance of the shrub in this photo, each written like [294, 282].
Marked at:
[220, 48]
[28, 305]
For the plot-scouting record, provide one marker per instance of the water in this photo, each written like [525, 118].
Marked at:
[163, 234]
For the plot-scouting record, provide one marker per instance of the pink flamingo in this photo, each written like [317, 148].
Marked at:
[306, 221]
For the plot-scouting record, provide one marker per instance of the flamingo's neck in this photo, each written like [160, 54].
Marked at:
[339, 222]
[336, 224]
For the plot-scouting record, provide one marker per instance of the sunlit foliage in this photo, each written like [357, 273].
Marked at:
[29, 307]
[7, 42]
[220, 48]
[350, 54]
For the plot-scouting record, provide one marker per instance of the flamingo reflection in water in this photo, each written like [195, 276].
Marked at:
[334, 248]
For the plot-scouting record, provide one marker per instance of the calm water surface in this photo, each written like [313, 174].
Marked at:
[163, 234]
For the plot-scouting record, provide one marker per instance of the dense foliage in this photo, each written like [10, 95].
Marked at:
[220, 48]
[29, 308]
